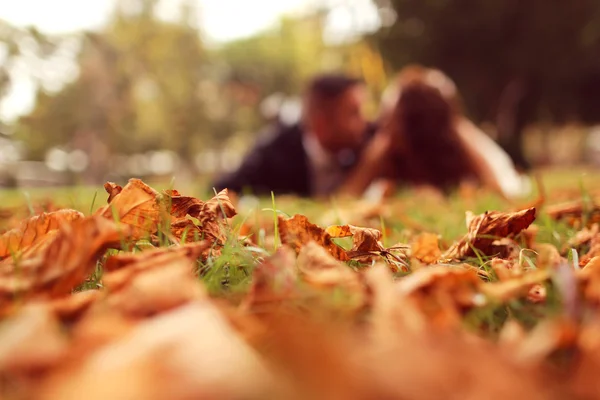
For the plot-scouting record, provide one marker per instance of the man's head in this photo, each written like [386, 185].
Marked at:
[333, 111]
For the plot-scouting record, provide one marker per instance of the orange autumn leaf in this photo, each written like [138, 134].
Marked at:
[516, 286]
[366, 243]
[297, 232]
[364, 240]
[122, 268]
[35, 230]
[113, 190]
[426, 248]
[154, 280]
[318, 268]
[485, 228]
[58, 268]
[209, 215]
[144, 208]
[273, 279]
[573, 213]
[136, 205]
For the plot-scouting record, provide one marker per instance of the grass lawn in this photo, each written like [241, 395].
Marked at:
[305, 314]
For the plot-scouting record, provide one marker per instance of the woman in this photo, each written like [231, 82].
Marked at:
[425, 140]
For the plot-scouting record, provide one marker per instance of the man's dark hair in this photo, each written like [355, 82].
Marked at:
[325, 88]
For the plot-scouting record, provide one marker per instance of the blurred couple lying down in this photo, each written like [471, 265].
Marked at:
[421, 138]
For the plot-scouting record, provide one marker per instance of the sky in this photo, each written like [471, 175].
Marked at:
[221, 20]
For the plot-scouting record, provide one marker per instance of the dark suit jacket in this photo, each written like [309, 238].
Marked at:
[278, 163]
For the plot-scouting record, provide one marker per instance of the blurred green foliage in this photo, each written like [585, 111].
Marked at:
[146, 84]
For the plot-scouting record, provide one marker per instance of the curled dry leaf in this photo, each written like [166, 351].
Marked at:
[365, 244]
[136, 205]
[485, 228]
[58, 268]
[365, 241]
[113, 190]
[35, 230]
[209, 214]
[297, 232]
[143, 208]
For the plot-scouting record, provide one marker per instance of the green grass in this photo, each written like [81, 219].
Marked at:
[227, 273]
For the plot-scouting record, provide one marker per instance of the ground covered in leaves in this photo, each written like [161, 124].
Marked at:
[160, 295]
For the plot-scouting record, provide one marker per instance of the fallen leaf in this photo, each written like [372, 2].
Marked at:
[31, 341]
[364, 240]
[158, 289]
[484, 229]
[34, 231]
[113, 190]
[573, 213]
[297, 232]
[122, 268]
[366, 243]
[426, 248]
[319, 268]
[273, 280]
[58, 268]
[192, 345]
[136, 205]
[515, 287]
[145, 209]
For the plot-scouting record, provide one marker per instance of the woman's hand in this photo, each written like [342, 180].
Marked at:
[375, 162]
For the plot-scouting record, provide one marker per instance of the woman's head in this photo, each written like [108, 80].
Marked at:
[417, 74]
[423, 121]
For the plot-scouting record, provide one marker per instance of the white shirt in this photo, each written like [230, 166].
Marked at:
[325, 172]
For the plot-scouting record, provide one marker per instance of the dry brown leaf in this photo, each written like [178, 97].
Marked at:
[62, 265]
[319, 268]
[366, 244]
[158, 289]
[506, 269]
[364, 240]
[31, 341]
[442, 293]
[186, 353]
[209, 215]
[485, 228]
[273, 280]
[35, 230]
[136, 205]
[122, 268]
[71, 307]
[547, 256]
[515, 287]
[426, 248]
[113, 190]
[572, 213]
[297, 232]
[144, 209]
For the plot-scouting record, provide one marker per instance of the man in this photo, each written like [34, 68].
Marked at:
[312, 157]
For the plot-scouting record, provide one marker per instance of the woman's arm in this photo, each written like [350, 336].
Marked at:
[374, 163]
[495, 168]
